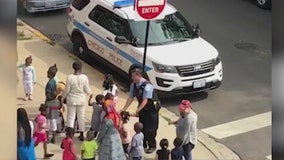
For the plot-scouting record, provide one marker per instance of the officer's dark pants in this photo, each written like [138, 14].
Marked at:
[150, 121]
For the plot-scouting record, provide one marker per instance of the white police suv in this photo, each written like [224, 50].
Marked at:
[178, 60]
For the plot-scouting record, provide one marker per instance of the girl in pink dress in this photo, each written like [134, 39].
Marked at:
[40, 131]
[69, 152]
[124, 131]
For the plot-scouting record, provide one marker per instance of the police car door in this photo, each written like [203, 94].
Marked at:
[100, 43]
[120, 55]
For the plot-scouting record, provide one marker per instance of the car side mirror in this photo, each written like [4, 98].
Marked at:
[196, 29]
[121, 40]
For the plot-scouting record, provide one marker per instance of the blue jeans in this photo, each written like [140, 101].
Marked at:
[187, 151]
[137, 158]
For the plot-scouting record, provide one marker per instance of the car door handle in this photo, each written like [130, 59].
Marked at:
[108, 38]
[87, 24]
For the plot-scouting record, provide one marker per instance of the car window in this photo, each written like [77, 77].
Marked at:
[172, 29]
[98, 12]
[111, 22]
[80, 4]
[118, 27]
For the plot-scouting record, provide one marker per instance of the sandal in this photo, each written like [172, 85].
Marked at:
[48, 155]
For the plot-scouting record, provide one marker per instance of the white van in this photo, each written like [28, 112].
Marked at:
[178, 60]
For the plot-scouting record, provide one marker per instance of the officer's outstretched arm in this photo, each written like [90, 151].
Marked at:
[128, 103]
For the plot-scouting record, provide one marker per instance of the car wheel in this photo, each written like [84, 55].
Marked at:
[264, 4]
[80, 48]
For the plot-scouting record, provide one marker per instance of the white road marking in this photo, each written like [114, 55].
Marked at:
[269, 157]
[239, 126]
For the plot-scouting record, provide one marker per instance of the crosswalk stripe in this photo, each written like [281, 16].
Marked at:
[239, 126]
[269, 157]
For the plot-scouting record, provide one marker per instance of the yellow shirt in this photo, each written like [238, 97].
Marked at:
[89, 148]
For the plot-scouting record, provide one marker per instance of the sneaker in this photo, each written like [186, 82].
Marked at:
[81, 138]
[30, 98]
[52, 140]
[26, 98]
[48, 155]
[150, 150]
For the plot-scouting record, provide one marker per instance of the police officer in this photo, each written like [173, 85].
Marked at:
[147, 109]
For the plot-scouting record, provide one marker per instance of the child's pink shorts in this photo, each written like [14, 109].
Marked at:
[39, 137]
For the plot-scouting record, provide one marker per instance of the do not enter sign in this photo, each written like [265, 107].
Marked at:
[149, 9]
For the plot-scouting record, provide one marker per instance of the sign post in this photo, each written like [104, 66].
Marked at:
[146, 10]
[145, 46]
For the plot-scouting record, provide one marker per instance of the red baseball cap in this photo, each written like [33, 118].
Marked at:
[184, 104]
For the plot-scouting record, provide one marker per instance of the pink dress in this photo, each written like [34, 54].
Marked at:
[67, 155]
[40, 133]
[125, 134]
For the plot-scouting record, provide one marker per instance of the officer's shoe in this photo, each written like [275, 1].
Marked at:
[150, 150]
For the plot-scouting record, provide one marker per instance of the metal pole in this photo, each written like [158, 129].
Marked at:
[145, 45]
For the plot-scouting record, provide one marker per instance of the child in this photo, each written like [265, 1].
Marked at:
[110, 87]
[97, 111]
[29, 77]
[60, 121]
[163, 153]
[177, 152]
[69, 152]
[89, 148]
[109, 96]
[136, 148]
[124, 131]
[52, 102]
[40, 131]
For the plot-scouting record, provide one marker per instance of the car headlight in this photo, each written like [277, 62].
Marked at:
[164, 68]
[217, 61]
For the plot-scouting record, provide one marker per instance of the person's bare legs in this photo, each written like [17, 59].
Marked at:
[46, 155]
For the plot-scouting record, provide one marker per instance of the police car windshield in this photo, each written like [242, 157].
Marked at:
[172, 29]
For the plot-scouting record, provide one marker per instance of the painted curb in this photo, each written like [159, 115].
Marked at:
[220, 151]
[37, 33]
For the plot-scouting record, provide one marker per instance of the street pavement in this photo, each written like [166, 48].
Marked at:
[242, 34]
[46, 54]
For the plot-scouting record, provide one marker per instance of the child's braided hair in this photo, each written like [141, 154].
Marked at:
[125, 116]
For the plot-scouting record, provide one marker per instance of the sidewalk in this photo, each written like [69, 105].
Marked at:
[44, 55]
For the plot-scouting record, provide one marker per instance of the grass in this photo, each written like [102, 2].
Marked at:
[22, 36]
[50, 42]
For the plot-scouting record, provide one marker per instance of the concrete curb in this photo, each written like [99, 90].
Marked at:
[220, 151]
[37, 33]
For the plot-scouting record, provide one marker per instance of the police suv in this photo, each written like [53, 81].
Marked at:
[178, 60]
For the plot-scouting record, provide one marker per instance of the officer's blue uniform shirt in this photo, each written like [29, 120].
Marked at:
[148, 90]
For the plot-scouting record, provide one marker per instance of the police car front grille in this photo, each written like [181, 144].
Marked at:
[191, 70]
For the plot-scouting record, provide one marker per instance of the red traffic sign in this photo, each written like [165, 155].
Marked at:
[149, 9]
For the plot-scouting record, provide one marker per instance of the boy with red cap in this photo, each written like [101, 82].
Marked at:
[186, 128]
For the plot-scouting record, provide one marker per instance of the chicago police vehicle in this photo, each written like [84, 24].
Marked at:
[178, 60]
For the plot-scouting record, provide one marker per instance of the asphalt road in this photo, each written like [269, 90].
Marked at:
[242, 34]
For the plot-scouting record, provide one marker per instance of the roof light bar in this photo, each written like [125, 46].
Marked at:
[123, 3]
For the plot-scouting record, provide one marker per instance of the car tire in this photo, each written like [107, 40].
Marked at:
[80, 48]
[264, 4]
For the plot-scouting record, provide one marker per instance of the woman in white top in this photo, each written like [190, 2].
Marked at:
[110, 87]
[76, 91]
